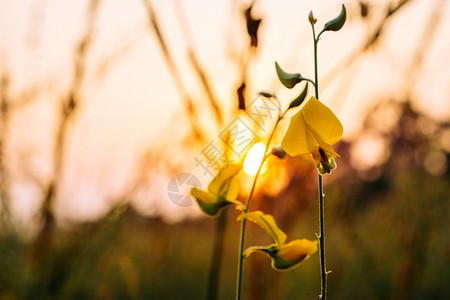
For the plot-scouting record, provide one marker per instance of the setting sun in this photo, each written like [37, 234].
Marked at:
[254, 158]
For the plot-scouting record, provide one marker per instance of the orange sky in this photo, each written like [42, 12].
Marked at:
[134, 105]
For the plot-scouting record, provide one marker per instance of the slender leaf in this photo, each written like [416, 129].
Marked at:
[300, 98]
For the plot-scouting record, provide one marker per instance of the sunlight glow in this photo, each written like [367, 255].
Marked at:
[254, 158]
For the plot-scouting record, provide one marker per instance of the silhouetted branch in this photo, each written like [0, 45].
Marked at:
[428, 35]
[198, 68]
[4, 120]
[69, 106]
[372, 39]
[189, 105]
[252, 26]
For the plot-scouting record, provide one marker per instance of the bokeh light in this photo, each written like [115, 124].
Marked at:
[253, 159]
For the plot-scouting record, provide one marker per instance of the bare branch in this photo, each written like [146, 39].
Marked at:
[189, 105]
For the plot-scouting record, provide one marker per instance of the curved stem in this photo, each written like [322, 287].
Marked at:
[323, 268]
[309, 80]
[245, 210]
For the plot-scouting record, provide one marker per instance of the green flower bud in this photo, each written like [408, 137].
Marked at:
[292, 254]
[327, 167]
[311, 18]
[289, 80]
[287, 256]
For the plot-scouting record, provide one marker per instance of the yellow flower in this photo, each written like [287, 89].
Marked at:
[312, 130]
[288, 256]
[284, 255]
[222, 190]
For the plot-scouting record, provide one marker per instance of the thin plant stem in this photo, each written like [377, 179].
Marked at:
[316, 76]
[323, 268]
[240, 260]
[246, 208]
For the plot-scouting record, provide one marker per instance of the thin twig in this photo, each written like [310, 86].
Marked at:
[198, 68]
[176, 77]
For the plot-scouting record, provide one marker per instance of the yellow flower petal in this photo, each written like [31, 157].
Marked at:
[287, 256]
[210, 204]
[223, 185]
[292, 254]
[233, 190]
[296, 249]
[312, 126]
[298, 139]
[203, 196]
[222, 190]
[322, 121]
[329, 150]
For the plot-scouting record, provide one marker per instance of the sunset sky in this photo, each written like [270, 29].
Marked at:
[130, 105]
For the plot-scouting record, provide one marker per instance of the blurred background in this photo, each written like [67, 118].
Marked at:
[108, 110]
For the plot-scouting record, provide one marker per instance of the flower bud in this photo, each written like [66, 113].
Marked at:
[337, 23]
[287, 256]
[289, 80]
[311, 18]
[290, 255]
[324, 157]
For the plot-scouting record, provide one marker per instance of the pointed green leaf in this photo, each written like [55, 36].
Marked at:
[289, 80]
[267, 223]
[336, 23]
[300, 98]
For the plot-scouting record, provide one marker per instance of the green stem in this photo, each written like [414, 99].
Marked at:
[240, 261]
[323, 268]
[309, 80]
[245, 210]
[316, 79]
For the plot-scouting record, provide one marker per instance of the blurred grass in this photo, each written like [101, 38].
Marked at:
[387, 237]
[392, 244]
